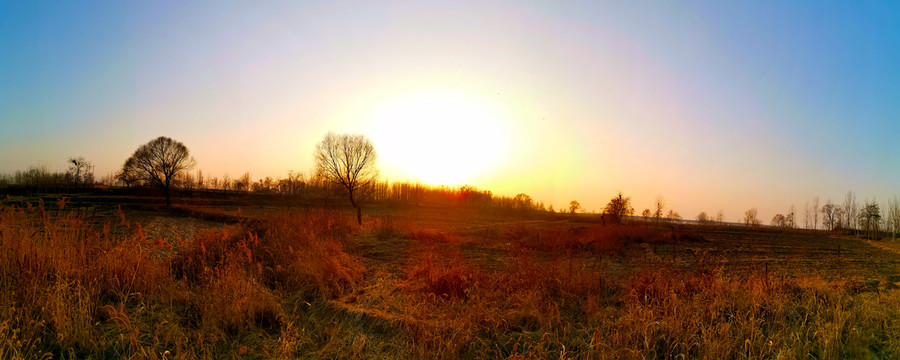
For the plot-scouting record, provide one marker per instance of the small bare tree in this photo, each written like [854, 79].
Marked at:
[893, 212]
[815, 212]
[128, 175]
[660, 204]
[750, 218]
[673, 215]
[158, 162]
[523, 201]
[806, 216]
[574, 206]
[619, 207]
[720, 216]
[702, 217]
[243, 183]
[870, 215]
[347, 161]
[829, 212]
[851, 208]
[80, 172]
[201, 182]
[779, 220]
[790, 216]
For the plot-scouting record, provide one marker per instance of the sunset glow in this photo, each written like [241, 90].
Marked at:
[715, 106]
[440, 137]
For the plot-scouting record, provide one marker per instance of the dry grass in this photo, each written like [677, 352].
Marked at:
[295, 286]
[69, 291]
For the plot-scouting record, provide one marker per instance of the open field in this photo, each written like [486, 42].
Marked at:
[243, 280]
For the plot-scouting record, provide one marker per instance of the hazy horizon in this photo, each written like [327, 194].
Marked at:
[714, 106]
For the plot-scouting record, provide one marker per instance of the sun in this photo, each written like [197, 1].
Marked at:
[439, 137]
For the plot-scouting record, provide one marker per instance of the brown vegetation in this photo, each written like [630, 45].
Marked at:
[310, 284]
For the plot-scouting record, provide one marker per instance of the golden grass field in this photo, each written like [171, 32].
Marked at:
[426, 283]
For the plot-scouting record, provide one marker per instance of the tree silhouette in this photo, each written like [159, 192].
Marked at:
[790, 217]
[574, 206]
[673, 215]
[80, 172]
[702, 217]
[750, 218]
[870, 215]
[830, 212]
[523, 201]
[815, 212]
[618, 207]
[158, 162]
[660, 204]
[128, 175]
[347, 161]
[780, 220]
[850, 209]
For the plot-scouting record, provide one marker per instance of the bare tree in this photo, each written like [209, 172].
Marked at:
[750, 218]
[779, 220]
[80, 172]
[673, 215]
[349, 162]
[815, 212]
[619, 207]
[574, 206]
[893, 212]
[790, 216]
[523, 201]
[720, 216]
[806, 216]
[201, 183]
[242, 183]
[646, 213]
[702, 217]
[887, 219]
[850, 209]
[660, 204]
[128, 175]
[158, 162]
[829, 212]
[226, 182]
[185, 180]
[870, 217]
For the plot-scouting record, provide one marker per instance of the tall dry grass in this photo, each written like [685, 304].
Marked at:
[572, 296]
[287, 286]
[72, 290]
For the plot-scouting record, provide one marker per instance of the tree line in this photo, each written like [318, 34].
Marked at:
[343, 164]
[346, 163]
[849, 215]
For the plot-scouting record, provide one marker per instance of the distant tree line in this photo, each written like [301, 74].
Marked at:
[166, 164]
[79, 174]
[870, 219]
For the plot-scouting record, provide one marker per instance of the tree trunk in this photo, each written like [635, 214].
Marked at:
[168, 201]
[358, 209]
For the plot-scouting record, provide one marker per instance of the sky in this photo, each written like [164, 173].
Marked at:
[712, 105]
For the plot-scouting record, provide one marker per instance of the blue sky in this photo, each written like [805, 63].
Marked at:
[712, 104]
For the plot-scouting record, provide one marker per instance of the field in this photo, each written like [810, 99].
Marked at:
[87, 278]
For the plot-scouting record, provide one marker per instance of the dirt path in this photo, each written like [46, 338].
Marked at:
[884, 246]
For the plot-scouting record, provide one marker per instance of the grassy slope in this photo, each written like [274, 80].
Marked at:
[434, 282]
